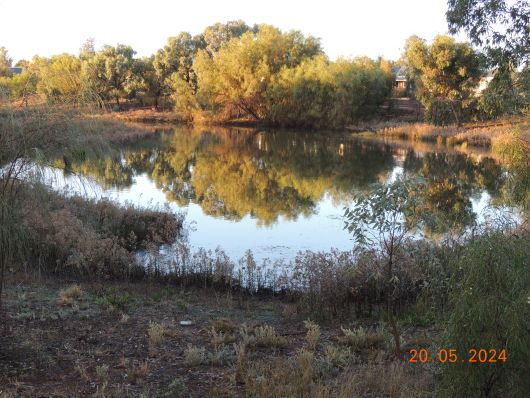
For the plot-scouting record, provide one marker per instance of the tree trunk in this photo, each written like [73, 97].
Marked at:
[458, 123]
[390, 304]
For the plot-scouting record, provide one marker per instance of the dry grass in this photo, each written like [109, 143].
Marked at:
[68, 296]
[155, 332]
[266, 336]
[360, 338]
[194, 356]
[473, 134]
[313, 334]
[220, 338]
[306, 364]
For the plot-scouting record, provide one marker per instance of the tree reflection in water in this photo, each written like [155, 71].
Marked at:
[232, 173]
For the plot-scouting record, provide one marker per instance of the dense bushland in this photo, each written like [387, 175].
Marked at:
[230, 71]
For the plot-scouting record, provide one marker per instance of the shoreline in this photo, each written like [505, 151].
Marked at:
[476, 134]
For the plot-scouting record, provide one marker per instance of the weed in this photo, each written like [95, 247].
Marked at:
[313, 334]
[246, 337]
[219, 338]
[219, 357]
[69, 295]
[155, 331]
[102, 375]
[266, 336]
[194, 355]
[137, 371]
[223, 325]
[241, 361]
[359, 338]
[176, 389]
[113, 299]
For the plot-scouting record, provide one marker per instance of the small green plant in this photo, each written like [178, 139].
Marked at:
[113, 299]
[181, 304]
[386, 217]
[177, 388]
[102, 374]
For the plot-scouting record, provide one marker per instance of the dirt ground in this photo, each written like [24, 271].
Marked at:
[101, 340]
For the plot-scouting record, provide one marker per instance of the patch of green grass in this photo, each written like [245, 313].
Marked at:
[113, 299]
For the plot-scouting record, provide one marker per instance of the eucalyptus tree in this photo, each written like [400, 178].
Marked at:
[501, 27]
[384, 220]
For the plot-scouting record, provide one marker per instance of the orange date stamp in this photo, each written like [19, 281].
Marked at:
[450, 355]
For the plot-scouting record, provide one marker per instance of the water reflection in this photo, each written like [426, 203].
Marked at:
[294, 183]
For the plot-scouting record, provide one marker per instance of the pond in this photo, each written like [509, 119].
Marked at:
[281, 192]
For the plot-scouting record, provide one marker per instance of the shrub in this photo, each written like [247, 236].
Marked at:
[113, 299]
[313, 334]
[489, 295]
[176, 389]
[69, 295]
[360, 338]
[266, 336]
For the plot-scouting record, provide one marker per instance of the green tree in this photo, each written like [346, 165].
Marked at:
[60, 78]
[234, 83]
[386, 217]
[88, 49]
[176, 57]
[219, 34]
[490, 311]
[447, 73]
[5, 62]
[110, 70]
[501, 27]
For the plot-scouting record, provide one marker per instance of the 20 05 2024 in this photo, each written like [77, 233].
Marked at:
[450, 355]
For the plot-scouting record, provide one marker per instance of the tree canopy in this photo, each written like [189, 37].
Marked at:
[502, 27]
[446, 72]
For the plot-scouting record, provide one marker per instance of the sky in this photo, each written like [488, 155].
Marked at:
[346, 28]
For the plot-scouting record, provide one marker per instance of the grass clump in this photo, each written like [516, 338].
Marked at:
[313, 334]
[155, 332]
[266, 336]
[194, 356]
[68, 295]
[176, 389]
[360, 338]
[219, 338]
[113, 299]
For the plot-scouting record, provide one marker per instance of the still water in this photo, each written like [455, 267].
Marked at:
[281, 192]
